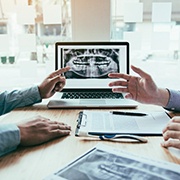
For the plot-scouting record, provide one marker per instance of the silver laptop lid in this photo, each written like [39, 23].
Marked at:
[91, 62]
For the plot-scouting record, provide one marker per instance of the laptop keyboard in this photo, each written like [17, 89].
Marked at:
[91, 95]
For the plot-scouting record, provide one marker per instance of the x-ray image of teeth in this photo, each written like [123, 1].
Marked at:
[101, 165]
[91, 63]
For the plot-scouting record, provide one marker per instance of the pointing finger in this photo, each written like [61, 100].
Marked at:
[60, 71]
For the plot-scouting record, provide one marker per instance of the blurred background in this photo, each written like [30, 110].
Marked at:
[30, 28]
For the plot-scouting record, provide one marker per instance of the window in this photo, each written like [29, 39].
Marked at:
[29, 29]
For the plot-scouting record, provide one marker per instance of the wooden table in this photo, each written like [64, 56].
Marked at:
[39, 161]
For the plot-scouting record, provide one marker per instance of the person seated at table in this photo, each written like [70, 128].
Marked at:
[143, 89]
[38, 129]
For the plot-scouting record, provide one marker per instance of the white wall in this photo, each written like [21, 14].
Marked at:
[90, 20]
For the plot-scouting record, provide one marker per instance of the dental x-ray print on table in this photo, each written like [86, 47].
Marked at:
[87, 80]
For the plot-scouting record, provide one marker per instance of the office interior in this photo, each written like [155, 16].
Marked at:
[30, 28]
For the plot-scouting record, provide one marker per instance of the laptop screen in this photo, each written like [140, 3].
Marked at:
[91, 62]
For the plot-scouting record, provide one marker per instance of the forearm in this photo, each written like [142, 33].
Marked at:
[174, 100]
[169, 99]
[18, 98]
[162, 97]
[9, 138]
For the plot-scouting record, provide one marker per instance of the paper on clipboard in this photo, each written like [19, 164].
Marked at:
[103, 122]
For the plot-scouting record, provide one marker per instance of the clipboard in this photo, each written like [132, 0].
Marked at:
[150, 125]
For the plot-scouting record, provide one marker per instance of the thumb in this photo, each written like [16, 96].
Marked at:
[139, 71]
[55, 80]
[128, 96]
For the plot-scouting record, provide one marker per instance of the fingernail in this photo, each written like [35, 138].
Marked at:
[68, 126]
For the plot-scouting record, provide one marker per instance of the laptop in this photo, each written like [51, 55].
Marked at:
[87, 80]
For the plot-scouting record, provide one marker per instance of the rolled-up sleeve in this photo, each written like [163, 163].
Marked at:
[174, 100]
[18, 98]
[9, 138]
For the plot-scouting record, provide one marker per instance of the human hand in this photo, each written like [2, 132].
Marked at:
[140, 88]
[171, 133]
[53, 83]
[39, 130]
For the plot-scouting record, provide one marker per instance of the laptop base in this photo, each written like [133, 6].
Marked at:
[91, 103]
